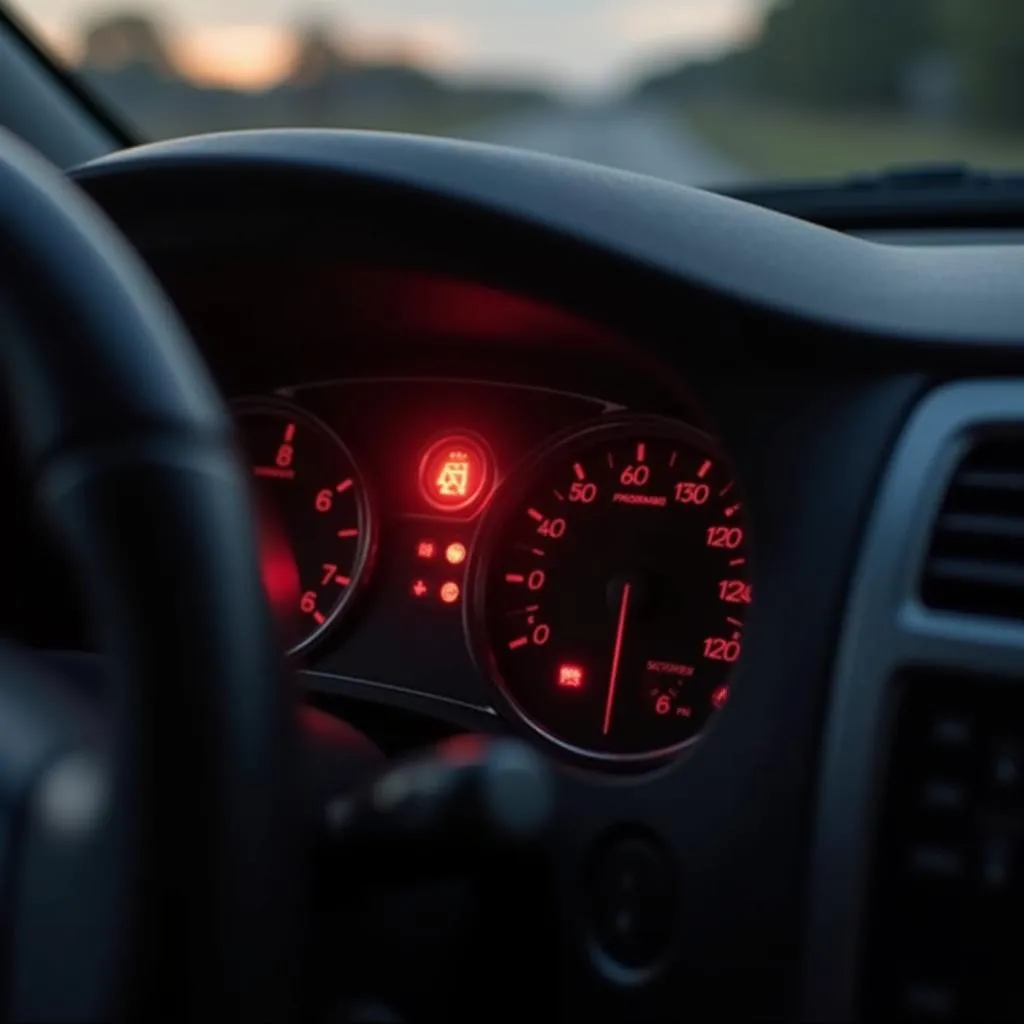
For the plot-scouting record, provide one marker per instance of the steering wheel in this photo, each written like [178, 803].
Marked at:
[146, 858]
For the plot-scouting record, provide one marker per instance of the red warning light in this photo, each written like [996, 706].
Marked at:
[449, 592]
[418, 588]
[426, 549]
[454, 472]
[719, 697]
[455, 553]
[570, 676]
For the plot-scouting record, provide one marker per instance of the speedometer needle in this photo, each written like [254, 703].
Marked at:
[620, 631]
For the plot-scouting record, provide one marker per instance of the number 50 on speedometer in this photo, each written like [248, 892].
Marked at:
[609, 589]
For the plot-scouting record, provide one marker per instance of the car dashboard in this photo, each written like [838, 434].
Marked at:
[387, 414]
[644, 476]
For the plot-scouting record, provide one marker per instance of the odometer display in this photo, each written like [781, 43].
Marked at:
[610, 588]
[315, 523]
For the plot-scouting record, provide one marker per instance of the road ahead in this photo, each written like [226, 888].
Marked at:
[632, 138]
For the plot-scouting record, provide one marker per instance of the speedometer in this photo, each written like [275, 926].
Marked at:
[609, 589]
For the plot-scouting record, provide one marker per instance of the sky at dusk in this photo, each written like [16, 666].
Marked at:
[580, 45]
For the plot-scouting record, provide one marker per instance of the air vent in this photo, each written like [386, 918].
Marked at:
[976, 561]
[946, 900]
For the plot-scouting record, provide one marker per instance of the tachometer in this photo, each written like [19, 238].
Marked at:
[316, 530]
[609, 589]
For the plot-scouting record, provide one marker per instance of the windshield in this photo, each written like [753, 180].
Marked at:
[717, 92]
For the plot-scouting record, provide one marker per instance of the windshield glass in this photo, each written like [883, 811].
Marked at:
[717, 92]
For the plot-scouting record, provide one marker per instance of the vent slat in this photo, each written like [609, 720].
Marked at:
[979, 525]
[992, 480]
[976, 561]
[962, 570]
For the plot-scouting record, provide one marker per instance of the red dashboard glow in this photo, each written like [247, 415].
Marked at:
[570, 677]
[454, 472]
[455, 553]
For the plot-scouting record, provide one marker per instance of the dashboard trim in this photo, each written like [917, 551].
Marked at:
[449, 709]
[290, 391]
[938, 296]
[887, 628]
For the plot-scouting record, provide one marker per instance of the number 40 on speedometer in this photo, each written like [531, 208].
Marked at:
[609, 589]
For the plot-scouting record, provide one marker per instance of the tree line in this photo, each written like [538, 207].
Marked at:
[962, 58]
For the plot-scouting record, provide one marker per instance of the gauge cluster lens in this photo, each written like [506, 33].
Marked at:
[316, 530]
[610, 588]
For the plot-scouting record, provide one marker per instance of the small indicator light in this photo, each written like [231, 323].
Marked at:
[455, 553]
[454, 472]
[719, 696]
[418, 588]
[426, 549]
[570, 677]
[449, 592]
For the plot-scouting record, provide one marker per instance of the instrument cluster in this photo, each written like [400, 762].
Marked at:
[579, 568]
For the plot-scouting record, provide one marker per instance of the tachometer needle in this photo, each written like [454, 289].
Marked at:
[613, 678]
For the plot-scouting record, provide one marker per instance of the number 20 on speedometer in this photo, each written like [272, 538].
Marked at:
[610, 586]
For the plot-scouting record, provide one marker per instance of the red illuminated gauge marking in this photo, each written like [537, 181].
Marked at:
[455, 553]
[274, 473]
[418, 588]
[570, 677]
[454, 472]
[720, 696]
[426, 549]
[316, 530]
[725, 490]
[643, 587]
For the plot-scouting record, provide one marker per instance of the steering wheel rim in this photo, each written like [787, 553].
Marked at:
[130, 451]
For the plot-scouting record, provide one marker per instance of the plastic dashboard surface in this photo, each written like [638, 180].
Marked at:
[804, 351]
